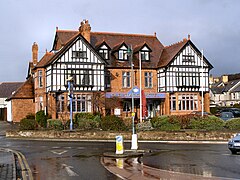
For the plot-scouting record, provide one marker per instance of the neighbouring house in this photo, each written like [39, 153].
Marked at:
[106, 71]
[225, 91]
[6, 90]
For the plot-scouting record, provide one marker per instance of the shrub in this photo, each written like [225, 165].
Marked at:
[41, 119]
[112, 122]
[86, 121]
[233, 124]
[55, 124]
[30, 116]
[28, 124]
[207, 123]
[166, 123]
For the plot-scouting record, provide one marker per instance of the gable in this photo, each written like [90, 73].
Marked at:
[77, 44]
[189, 55]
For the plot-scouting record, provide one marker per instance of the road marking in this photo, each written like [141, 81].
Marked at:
[58, 152]
[69, 171]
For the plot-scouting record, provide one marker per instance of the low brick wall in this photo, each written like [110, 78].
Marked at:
[143, 135]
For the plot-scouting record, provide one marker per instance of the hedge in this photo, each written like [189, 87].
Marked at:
[28, 124]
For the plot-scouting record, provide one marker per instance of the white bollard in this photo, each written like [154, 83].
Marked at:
[134, 142]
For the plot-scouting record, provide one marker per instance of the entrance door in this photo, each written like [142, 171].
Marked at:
[3, 114]
[150, 110]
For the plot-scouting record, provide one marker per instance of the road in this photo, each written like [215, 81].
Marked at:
[200, 159]
[81, 160]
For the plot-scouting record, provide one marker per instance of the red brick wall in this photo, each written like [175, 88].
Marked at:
[21, 108]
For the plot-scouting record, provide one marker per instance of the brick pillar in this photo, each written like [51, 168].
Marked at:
[167, 104]
[207, 102]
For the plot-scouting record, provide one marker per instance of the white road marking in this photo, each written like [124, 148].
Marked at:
[58, 152]
[69, 171]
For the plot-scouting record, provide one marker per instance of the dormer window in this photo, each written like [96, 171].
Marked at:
[122, 53]
[145, 53]
[104, 52]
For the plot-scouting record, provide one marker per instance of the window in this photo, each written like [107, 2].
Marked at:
[60, 104]
[173, 103]
[86, 78]
[103, 51]
[188, 58]
[126, 106]
[126, 77]
[79, 103]
[122, 53]
[79, 54]
[188, 79]
[40, 82]
[40, 107]
[80, 76]
[145, 55]
[187, 102]
[148, 79]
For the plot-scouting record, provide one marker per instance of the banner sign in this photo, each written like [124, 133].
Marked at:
[129, 95]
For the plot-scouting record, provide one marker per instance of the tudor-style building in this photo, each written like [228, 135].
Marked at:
[101, 63]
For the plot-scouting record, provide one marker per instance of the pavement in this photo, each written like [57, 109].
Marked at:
[13, 164]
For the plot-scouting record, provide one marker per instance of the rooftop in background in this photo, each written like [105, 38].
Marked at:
[7, 88]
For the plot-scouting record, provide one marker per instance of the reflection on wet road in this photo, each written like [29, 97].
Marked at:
[199, 159]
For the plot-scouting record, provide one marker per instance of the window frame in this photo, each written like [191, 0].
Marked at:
[79, 54]
[40, 78]
[126, 79]
[122, 53]
[148, 79]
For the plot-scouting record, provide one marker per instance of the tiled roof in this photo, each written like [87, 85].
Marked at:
[217, 90]
[64, 36]
[25, 91]
[45, 59]
[169, 52]
[231, 84]
[237, 89]
[7, 88]
[160, 56]
[113, 40]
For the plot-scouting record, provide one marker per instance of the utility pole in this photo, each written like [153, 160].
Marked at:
[70, 95]
[134, 144]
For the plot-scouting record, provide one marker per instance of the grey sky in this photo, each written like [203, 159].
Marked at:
[214, 26]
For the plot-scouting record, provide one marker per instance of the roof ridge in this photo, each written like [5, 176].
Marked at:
[123, 34]
[66, 30]
[182, 41]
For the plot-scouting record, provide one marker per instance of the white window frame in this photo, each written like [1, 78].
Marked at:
[40, 79]
[126, 79]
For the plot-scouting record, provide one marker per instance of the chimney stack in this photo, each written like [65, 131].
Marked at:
[85, 30]
[224, 79]
[35, 53]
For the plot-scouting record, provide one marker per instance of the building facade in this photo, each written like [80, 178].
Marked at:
[108, 67]
[225, 91]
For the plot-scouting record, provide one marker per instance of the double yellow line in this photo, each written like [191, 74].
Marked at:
[25, 169]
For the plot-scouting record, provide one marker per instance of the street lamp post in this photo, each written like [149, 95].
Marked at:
[70, 95]
[134, 143]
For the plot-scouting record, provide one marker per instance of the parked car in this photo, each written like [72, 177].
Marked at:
[234, 144]
[235, 111]
[226, 115]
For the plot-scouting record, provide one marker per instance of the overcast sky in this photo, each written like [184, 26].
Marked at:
[214, 26]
